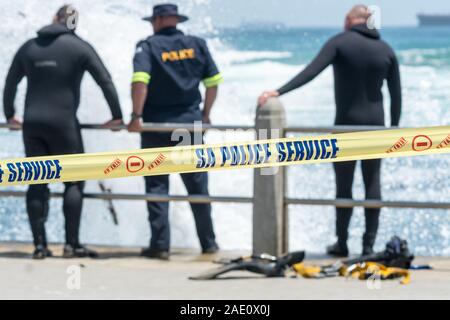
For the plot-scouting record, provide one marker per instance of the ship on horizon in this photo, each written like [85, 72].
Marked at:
[434, 19]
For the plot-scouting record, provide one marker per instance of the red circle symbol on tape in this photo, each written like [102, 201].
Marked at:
[421, 143]
[134, 164]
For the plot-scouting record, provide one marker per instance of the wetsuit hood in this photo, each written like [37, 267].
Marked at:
[362, 28]
[54, 30]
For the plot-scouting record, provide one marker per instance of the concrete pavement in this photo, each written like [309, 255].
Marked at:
[121, 274]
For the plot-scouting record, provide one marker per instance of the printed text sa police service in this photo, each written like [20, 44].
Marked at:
[252, 154]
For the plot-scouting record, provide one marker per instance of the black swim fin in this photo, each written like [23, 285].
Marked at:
[266, 265]
[262, 257]
[216, 272]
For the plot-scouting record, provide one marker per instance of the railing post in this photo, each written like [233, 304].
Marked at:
[269, 220]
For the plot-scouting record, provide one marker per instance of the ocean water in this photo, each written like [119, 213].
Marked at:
[251, 60]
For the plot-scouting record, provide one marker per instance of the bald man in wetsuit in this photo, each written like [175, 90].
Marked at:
[361, 62]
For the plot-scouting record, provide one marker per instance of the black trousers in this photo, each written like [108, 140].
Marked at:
[344, 181]
[196, 184]
[42, 141]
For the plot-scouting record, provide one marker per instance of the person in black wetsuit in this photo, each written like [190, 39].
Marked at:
[54, 64]
[361, 62]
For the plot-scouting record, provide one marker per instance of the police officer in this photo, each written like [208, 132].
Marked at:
[54, 64]
[168, 68]
[361, 62]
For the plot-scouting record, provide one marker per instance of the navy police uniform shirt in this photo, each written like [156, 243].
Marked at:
[173, 65]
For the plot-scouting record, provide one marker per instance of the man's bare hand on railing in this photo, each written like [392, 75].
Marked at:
[135, 125]
[16, 122]
[206, 119]
[139, 95]
[262, 100]
[112, 124]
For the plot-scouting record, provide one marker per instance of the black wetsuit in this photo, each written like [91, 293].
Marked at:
[361, 62]
[54, 64]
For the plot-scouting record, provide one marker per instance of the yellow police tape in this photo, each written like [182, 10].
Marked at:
[254, 154]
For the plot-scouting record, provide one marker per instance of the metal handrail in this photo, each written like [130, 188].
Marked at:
[340, 203]
[155, 127]
[372, 204]
[334, 129]
[142, 197]
[169, 127]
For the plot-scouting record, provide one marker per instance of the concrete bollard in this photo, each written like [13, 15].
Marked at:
[270, 223]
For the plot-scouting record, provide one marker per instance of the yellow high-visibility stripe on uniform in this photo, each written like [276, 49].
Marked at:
[143, 77]
[213, 81]
[209, 157]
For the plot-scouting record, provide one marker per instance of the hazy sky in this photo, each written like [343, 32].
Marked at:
[318, 12]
